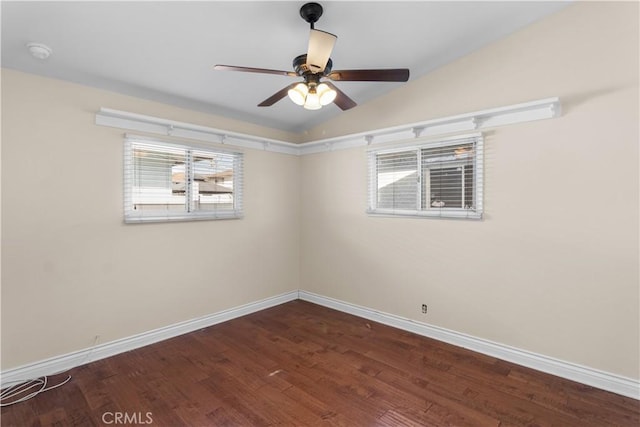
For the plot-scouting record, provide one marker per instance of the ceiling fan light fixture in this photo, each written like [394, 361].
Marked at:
[298, 93]
[326, 94]
[312, 96]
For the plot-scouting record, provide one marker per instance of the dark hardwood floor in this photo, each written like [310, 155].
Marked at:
[302, 364]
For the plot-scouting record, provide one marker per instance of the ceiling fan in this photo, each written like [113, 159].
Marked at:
[315, 65]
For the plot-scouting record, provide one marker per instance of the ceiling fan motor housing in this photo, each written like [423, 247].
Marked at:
[302, 69]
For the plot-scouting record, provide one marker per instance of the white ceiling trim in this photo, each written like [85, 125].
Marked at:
[518, 113]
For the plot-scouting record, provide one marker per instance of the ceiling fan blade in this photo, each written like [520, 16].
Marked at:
[385, 75]
[254, 70]
[276, 96]
[320, 46]
[342, 100]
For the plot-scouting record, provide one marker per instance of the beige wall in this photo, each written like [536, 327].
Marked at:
[553, 267]
[72, 270]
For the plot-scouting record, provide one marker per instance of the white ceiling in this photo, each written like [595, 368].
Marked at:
[165, 51]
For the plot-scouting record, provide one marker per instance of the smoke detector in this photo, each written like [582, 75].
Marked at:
[39, 50]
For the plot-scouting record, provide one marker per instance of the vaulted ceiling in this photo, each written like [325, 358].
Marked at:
[165, 51]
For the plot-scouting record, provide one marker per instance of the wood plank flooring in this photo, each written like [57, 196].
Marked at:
[301, 364]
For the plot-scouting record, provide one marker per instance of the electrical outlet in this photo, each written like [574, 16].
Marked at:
[424, 308]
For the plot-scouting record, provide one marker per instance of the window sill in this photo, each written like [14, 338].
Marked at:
[131, 219]
[433, 213]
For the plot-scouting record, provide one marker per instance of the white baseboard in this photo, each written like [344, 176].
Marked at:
[101, 351]
[585, 375]
[582, 374]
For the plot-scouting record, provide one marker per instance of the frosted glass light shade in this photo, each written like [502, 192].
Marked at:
[298, 93]
[313, 101]
[326, 94]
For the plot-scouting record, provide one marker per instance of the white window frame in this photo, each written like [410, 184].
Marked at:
[429, 212]
[132, 215]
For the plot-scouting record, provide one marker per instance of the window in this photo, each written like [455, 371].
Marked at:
[173, 182]
[433, 179]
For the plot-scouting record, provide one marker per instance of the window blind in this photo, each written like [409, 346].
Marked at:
[167, 181]
[437, 179]
[397, 180]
